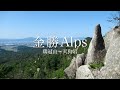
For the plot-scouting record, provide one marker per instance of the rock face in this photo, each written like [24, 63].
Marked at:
[96, 50]
[108, 39]
[75, 63]
[80, 60]
[110, 36]
[112, 60]
[84, 72]
[108, 53]
[71, 70]
[114, 48]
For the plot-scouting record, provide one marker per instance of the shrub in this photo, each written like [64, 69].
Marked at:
[96, 65]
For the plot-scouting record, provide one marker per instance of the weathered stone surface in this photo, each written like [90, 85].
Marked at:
[83, 72]
[80, 59]
[108, 52]
[108, 39]
[71, 70]
[111, 70]
[109, 73]
[95, 73]
[96, 50]
[110, 36]
[75, 63]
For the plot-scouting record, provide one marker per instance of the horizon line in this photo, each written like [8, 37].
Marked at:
[43, 37]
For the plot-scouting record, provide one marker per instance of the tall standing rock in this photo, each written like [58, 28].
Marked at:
[96, 50]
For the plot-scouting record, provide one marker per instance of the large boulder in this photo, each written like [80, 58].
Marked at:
[70, 71]
[114, 48]
[96, 50]
[83, 72]
[112, 59]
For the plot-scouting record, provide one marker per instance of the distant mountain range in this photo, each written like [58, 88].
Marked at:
[23, 39]
[30, 41]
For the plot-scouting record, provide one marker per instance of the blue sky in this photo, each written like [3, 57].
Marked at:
[22, 24]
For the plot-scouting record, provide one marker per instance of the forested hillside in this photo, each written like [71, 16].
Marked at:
[30, 63]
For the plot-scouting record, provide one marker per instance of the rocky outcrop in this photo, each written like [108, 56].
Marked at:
[106, 50]
[108, 39]
[84, 72]
[70, 71]
[80, 60]
[96, 50]
[113, 52]
[110, 36]
[112, 60]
